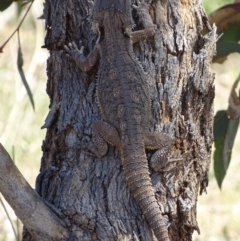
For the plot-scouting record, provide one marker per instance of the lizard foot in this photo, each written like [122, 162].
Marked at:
[72, 51]
[143, 11]
[162, 143]
[102, 134]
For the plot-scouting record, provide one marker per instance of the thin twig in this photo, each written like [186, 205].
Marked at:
[18, 229]
[4, 207]
[18, 27]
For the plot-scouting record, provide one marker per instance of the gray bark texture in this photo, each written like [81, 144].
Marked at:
[89, 194]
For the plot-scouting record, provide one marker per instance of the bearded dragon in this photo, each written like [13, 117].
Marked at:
[124, 100]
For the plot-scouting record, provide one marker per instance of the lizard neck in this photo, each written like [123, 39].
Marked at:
[114, 27]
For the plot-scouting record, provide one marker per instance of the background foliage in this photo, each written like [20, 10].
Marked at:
[218, 211]
[19, 124]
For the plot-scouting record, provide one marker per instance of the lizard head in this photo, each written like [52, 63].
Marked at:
[120, 6]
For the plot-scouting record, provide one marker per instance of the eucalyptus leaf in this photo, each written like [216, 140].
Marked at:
[21, 72]
[4, 5]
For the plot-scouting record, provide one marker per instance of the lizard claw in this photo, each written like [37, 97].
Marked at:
[66, 48]
[135, 6]
[72, 50]
[75, 47]
[72, 47]
[81, 50]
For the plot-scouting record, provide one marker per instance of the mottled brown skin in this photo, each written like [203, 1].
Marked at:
[124, 100]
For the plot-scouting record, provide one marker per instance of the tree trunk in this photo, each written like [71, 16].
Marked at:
[89, 194]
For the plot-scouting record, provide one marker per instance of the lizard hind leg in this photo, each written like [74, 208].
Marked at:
[162, 143]
[103, 133]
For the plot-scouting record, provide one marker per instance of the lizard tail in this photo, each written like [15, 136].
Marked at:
[139, 182]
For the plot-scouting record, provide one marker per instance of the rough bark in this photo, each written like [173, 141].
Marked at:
[91, 194]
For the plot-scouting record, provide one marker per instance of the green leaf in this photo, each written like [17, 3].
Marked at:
[21, 72]
[232, 34]
[5, 4]
[229, 141]
[226, 48]
[234, 101]
[220, 124]
[219, 170]
[227, 20]
[223, 148]
[226, 16]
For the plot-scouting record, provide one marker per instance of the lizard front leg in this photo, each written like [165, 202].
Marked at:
[144, 16]
[84, 63]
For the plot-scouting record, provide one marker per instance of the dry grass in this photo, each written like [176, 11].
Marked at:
[218, 211]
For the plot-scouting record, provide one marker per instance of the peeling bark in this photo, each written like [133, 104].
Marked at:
[91, 193]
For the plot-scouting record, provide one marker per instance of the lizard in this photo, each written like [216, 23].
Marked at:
[124, 100]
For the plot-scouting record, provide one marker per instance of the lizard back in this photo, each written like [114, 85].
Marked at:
[124, 101]
[122, 82]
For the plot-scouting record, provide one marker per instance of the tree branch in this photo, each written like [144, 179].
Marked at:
[39, 220]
